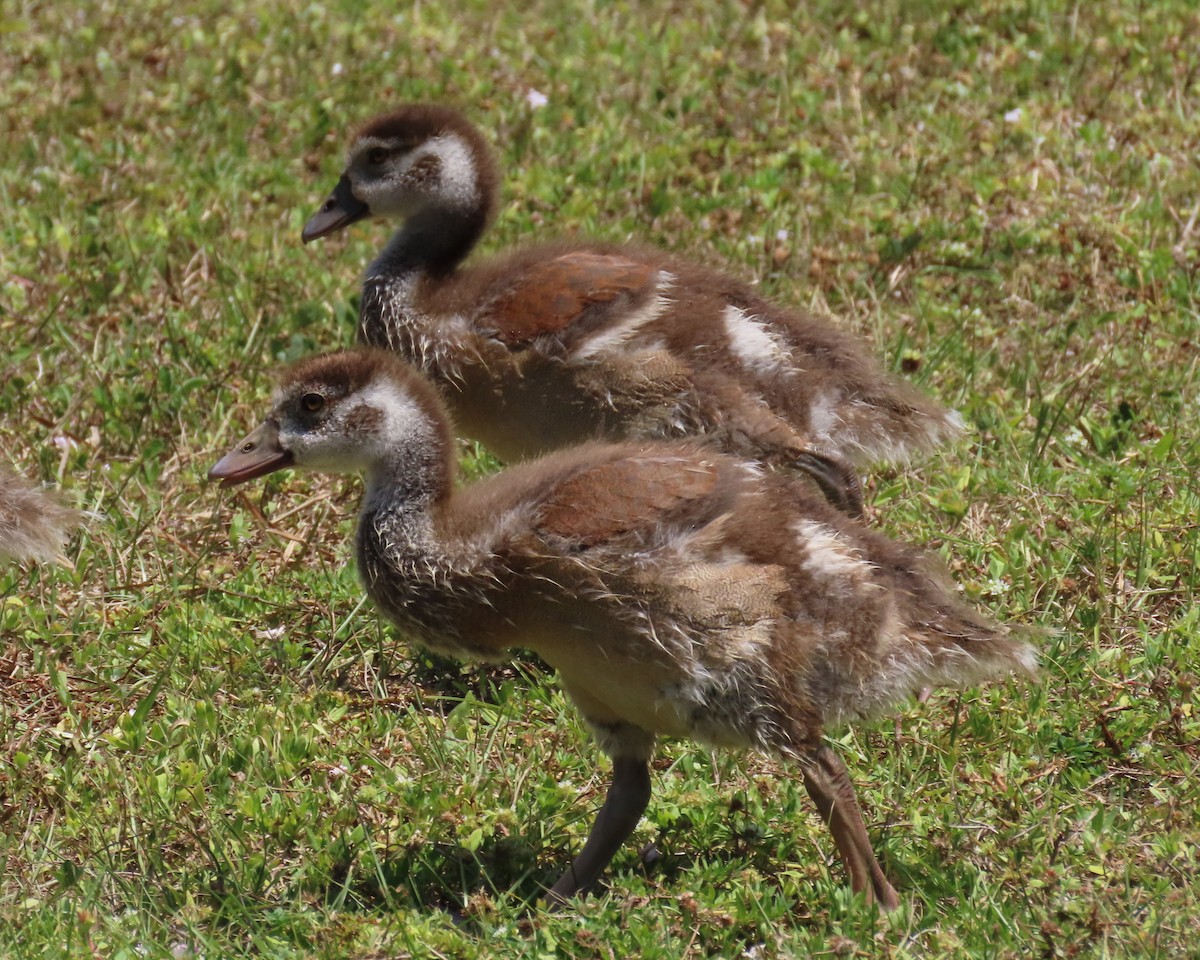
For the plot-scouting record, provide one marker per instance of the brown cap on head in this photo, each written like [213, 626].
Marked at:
[343, 372]
[412, 125]
[336, 376]
[416, 122]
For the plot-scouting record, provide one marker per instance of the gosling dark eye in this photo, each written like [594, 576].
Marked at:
[312, 402]
[376, 155]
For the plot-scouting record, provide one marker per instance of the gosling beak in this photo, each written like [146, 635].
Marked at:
[340, 210]
[255, 456]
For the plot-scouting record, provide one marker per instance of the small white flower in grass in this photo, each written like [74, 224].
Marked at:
[64, 443]
[338, 70]
[336, 771]
[536, 99]
[271, 633]
[781, 235]
[1013, 116]
[754, 239]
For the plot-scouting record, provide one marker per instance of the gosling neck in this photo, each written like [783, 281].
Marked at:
[433, 241]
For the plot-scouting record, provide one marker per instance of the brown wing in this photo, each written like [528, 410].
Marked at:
[552, 296]
[613, 499]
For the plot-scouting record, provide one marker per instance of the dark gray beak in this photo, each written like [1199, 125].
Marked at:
[258, 454]
[340, 210]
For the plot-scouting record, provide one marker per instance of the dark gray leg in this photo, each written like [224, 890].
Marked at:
[829, 785]
[627, 798]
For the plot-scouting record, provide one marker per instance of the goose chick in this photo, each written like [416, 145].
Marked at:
[34, 523]
[555, 344]
[677, 590]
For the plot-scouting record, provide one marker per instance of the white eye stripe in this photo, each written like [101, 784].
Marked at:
[443, 169]
[459, 174]
[401, 413]
[365, 147]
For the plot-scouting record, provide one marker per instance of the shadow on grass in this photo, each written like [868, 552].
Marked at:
[444, 682]
[443, 877]
[451, 879]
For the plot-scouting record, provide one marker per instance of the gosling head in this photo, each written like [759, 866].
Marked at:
[421, 157]
[357, 411]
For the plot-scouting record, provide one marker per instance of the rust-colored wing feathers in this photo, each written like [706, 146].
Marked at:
[551, 296]
[613, 499]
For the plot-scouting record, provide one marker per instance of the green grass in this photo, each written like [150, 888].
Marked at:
[209, 746]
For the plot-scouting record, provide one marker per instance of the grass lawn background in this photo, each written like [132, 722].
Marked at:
[210, 746]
